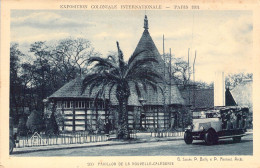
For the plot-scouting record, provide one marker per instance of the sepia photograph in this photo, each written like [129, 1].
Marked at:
[129, 84]
[94, 83]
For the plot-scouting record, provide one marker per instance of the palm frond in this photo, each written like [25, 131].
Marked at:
[112, 58]
[142, 82]
[133, 57]
[100, 93]
[95, 84]
[102, 62]
[145, 73]
[137, 89]
[152, 85]
[88, 80]
[120, 57]
[141, 63]
[110, 90]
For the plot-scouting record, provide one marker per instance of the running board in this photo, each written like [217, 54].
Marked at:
[224, 137]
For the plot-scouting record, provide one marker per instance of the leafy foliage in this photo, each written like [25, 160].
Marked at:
[22, 129]
[35, 122]
[233, 80]
[49, 67]
[52, 126]
[181, 72]
[16, 85]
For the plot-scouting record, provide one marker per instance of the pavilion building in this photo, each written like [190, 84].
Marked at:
[153, 110]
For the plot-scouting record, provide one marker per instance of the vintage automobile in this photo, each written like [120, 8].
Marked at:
[217, 123]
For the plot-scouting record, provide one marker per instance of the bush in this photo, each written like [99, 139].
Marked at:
[52, 126]
[100, 125]
[59, 117]
[35, 122]
[22, 129]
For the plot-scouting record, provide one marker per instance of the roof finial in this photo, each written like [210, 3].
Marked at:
[145, 23]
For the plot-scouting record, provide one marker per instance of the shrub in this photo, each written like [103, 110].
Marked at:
[52, 126]
[35, 122]
[59, 117]
[22, 129]
[100, 125]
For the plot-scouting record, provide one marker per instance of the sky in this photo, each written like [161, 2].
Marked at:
[223, 40]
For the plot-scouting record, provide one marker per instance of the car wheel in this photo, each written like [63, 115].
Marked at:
[188, 137]
[11, 145]
[211, 138]
[236, 139]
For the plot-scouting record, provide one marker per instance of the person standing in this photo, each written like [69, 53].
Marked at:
[233, 119]
[228, 120]
[244, 120]
[239, 117]
[224, 120]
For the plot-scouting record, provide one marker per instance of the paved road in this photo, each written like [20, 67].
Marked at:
[166, 148]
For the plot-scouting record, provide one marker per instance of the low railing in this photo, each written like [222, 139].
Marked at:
[166, 133]
[133, 134]
[61, 139]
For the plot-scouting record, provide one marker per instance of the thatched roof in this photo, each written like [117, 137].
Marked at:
[146, 44]
[73, 88]
[204, 98]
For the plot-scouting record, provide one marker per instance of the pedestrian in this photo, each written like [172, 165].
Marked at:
[244, 116]
[224, 120]
[239, 117]
[106, 127]
[228, 120]
[233, 119]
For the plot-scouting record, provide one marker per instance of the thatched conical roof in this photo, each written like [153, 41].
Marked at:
[146, 43]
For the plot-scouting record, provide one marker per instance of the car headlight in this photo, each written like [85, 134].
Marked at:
[190, 127]
[201, 128]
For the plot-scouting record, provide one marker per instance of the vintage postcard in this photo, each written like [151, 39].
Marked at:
[129, 83]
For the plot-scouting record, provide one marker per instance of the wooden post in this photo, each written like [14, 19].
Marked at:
[74, 117]
[86, 120]
[194, 79]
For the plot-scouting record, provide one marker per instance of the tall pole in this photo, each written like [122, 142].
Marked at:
[164, 97]
[194, 79]
[170, 75]
[189, 73]
[170, 87]
[163, 57]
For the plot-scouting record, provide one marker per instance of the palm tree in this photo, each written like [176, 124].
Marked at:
[109, 73]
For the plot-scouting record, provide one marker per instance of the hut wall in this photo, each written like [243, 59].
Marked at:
[80, 115]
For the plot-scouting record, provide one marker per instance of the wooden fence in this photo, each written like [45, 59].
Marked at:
[61, 139]
[165, 133]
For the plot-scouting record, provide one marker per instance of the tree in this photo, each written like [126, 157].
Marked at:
[109, 73]
[15, 82]
[41, 70]
[52, 126]
[35, 122]
[49, 68]
[70, 57]
[181, 72]
[233, 80]
[22, 129]
[54, 65]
